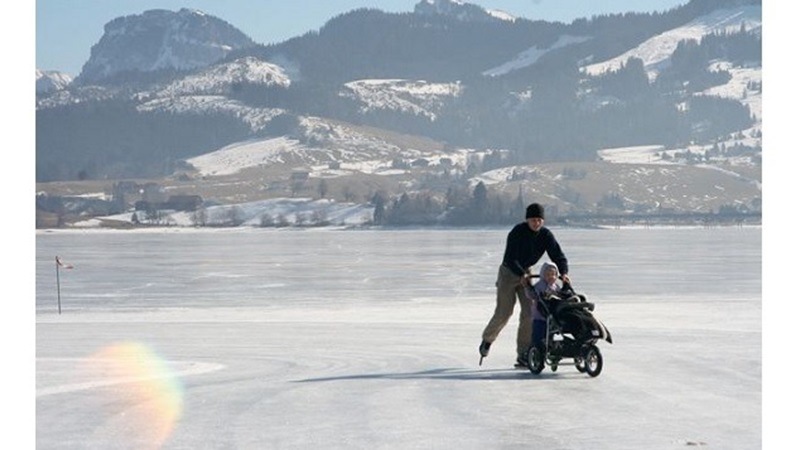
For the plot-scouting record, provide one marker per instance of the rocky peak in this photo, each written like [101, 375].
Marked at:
[457, 9]
[161, 39]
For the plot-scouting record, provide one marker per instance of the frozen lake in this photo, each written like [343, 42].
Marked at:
[257, 338]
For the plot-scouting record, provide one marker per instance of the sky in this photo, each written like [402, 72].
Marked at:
[67, 29]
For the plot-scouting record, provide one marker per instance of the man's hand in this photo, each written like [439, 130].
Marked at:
[565, 279]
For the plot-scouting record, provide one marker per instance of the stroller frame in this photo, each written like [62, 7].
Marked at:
[560, 345]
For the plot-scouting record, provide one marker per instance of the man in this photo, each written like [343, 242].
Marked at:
[526, 243]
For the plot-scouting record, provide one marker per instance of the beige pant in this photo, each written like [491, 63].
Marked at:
[509, 291]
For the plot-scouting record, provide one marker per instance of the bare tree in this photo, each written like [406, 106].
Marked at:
[322, 188]
[267, 220]
[347, 193]
[234, 216]
[200, 217]
[319, 217]
[281, 221]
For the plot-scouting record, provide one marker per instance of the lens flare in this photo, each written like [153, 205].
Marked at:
[149, 398]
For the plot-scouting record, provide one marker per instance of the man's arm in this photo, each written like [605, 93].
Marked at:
[512, 258]
[556, 255]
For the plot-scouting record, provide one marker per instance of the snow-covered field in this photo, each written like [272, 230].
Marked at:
[352, 149]
[644, 154]
[241, 155]
[368, 339]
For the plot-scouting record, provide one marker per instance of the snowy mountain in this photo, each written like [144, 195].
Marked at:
[744, 84]
[50, 80]
[656, 51]
[445, 101]
[160, 39]
[222, 78]
[209, 91]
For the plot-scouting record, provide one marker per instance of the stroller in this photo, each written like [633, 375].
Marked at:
[572, 333]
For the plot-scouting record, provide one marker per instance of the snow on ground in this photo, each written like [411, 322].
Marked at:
[276, 211]
[502, 15]
[241, 155]
[416, 97]
[293, 210]
[95, 195]
[655, 52]
[284, 150]
[644, 154]
[492, 177]
[76, 95]
[531, 55]
[352, 151]
[737, 87]
[218, 79]
[653, 154]
[256, 118]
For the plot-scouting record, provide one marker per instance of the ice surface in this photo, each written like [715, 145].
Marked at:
[258, 338]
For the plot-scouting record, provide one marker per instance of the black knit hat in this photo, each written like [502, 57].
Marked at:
[534, 210]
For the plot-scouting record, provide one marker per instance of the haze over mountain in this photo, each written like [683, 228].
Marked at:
[446, 92]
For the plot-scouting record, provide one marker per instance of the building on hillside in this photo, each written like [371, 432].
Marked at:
[300, 175]
[298, 180]
[153, 193]
[173, 203]
[184, 202]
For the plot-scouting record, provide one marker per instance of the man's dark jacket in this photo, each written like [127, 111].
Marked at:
[524, 248]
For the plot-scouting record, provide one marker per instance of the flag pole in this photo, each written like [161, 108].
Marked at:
[58, 285]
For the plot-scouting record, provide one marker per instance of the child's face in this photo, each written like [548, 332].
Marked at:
[550, 276]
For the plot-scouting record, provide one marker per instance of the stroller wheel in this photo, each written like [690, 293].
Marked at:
[554, 364]
[580, 364]
[593, 360]
[535, 361]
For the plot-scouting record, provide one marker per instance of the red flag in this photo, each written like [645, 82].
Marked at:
[61, 264]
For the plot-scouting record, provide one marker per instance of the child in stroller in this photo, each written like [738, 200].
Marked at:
[563, 325]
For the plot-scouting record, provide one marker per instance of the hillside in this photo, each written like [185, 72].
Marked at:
[280, 180]
[452, 133]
